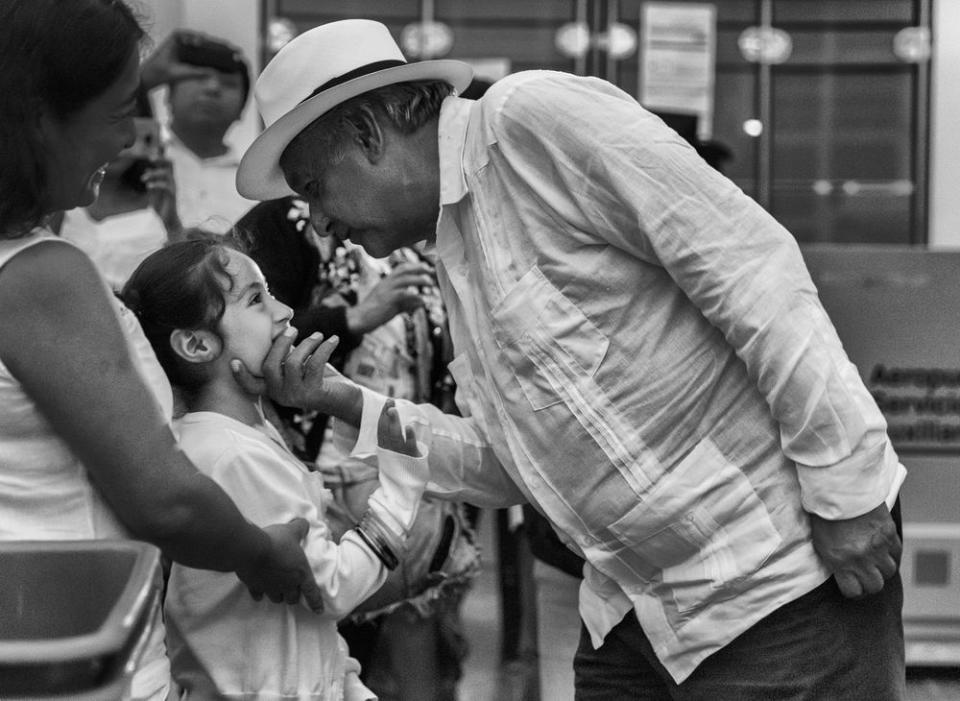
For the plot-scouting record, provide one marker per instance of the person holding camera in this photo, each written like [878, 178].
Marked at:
[136, 211]
[207, 81]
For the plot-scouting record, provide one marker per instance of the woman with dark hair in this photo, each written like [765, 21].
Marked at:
[86, 449]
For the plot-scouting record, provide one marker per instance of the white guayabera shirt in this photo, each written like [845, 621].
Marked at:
[643, 356]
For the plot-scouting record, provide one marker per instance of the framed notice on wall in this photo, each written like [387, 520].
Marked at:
[677, 56]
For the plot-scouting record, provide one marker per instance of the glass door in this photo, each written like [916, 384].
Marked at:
[824, 106]
[821, 104]
[848, 120]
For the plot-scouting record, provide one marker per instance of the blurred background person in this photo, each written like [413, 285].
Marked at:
[135, 212]
[207, 83]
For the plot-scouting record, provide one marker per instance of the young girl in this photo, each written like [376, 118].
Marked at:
[202, 303]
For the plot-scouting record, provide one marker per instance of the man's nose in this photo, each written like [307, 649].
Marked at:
[322, 224]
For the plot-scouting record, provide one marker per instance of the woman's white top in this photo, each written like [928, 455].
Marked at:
[45, 493]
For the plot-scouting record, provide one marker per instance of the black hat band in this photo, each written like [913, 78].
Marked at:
[355, 73]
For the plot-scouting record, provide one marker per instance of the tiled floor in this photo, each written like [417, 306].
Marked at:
[481, 618]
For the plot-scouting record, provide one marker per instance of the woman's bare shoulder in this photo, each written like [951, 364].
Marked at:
[48, 266]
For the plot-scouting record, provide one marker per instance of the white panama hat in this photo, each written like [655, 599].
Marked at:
[314, 73]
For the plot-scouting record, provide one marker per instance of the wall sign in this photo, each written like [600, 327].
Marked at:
[921, 405]
[677, 59]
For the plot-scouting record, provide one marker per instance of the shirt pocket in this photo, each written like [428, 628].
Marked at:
[700, 532]
[549, 343]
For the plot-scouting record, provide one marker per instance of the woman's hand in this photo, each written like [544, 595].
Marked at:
[283, 573]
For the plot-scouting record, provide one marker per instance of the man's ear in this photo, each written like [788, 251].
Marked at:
[197, 346]
[367, 133]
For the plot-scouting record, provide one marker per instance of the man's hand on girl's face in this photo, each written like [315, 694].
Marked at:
[300, 376]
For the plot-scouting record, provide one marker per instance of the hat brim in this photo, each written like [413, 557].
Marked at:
[259, 176]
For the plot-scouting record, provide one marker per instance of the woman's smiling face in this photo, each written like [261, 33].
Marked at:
[79, 147]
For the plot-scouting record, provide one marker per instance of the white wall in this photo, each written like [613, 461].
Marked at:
[237, 21]
[945, 126]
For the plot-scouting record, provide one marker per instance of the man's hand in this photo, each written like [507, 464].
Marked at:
[300, 376]
[283, 573]
[861, 552]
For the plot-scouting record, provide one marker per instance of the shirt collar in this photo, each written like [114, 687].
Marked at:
[230, 158]
[452, 133]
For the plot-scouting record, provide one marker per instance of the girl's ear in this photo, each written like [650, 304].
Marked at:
[197, 346]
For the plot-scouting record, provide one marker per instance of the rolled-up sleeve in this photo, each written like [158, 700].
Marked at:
[463, 466]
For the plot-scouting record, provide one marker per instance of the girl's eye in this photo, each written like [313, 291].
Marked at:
[256, 298]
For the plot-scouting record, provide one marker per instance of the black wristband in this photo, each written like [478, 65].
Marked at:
[383, 553]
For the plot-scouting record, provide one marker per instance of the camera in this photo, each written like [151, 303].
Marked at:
[146, 148]
[197, 50]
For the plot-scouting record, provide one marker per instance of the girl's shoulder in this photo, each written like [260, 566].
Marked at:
[214, 441]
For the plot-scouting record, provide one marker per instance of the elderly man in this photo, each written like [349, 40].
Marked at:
[641, 355]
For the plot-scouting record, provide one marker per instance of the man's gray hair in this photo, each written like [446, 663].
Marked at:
[406, 106]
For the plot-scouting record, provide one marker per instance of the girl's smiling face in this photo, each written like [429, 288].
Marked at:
[252, 318]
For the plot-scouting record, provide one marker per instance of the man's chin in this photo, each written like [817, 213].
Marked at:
[373, 248]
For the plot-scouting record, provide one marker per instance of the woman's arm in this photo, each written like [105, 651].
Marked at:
[60, 338]
[269, 488]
